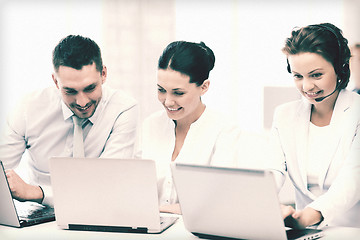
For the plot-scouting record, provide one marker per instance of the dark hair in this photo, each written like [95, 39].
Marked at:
[326, 40]
[195, 60]
[76, 52]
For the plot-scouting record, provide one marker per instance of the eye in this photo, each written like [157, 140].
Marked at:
[161, 90]
[90, 88]
[297, 76]
[70, 92]
[177, 93]
[316, 75]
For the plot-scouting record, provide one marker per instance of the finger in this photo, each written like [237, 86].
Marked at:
[296, 214]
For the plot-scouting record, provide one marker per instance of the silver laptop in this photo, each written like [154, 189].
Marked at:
[20, 214]
[231, 203]
[114, 195]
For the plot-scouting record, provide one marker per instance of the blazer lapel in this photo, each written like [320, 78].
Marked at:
[301, 132]
[337, 126]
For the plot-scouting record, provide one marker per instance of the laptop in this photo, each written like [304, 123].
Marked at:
[20, 214]
[103, 194]
[232, 203]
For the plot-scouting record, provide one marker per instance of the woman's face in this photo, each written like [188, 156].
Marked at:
[180, 98]
[314, 76]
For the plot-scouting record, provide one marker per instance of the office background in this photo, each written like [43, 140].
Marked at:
[246, 37]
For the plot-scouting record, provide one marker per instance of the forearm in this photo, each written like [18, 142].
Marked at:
[21, 190]
[308, 217]
[34, 193]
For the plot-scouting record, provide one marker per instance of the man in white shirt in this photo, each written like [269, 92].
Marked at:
[43, 122]
[355, 67]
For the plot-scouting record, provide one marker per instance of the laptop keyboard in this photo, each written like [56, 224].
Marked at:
[31, 210]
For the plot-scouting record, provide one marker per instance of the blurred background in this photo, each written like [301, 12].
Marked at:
[246, 37]
[249, 78]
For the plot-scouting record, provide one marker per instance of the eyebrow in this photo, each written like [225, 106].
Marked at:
[315, 70]
[90, 86]
[67, 88]
[87, 87]
[175, 89]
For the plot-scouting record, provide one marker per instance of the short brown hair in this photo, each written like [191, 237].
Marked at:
[326, 40]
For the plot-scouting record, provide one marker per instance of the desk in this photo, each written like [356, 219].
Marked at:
[175, 232]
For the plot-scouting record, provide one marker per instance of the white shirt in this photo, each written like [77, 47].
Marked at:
[211, 140]
[43, 125]
[318, 137]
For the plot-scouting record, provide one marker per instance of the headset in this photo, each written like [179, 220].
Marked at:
[342, 68]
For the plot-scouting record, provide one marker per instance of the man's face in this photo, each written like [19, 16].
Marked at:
[355, 66]
[80, 89]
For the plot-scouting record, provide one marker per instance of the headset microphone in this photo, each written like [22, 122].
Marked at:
[322, 98]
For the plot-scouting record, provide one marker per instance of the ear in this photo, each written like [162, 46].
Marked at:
[104, 74]
[205, 86]
[55, 80]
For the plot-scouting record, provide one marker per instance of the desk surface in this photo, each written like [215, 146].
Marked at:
[176, 232]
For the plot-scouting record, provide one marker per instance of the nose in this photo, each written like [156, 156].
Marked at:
[308, 84]
[169, 101]
[81, 99]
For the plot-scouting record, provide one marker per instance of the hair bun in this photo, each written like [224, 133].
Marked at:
[210, 54]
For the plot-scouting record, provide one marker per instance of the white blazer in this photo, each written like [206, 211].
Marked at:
[340, 179]
[211, 140]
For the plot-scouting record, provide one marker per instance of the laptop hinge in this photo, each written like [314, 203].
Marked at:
[100, 228]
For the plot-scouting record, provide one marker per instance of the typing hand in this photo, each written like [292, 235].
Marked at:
[22, 191]
[300, 219]
[287, 212]
[172, 208]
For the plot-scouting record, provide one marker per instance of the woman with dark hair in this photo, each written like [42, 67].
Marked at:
[317, 139]
[187, 131]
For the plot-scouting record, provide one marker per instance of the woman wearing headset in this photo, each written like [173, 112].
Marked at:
[317, 139]
[186, 130]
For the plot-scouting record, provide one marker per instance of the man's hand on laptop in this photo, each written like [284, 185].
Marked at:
[172, 208]
[22, 191]
[301, 218]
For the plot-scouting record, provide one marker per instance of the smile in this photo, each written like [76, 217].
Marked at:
[313, 94]
[83, 108]
[173, 109]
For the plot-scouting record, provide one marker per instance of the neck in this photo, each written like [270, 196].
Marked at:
[321, 112]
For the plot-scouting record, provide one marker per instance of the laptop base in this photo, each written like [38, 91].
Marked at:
[166, 222]
[213, 237]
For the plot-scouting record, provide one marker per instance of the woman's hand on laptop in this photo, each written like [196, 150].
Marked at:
[171, 208]
[301, 218]
[22, 191]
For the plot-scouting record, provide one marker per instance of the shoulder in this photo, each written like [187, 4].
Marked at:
[291, 108]
[288, 112]
[157, 124]
[349, 97]
[46, 96]
[156, 118]
[118, 98]
[348, 101]
[217, 121]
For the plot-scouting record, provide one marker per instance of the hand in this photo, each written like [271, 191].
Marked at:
[172, 208]
[22, 191]
[300, 219]
[287, 212]
[307, 217]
